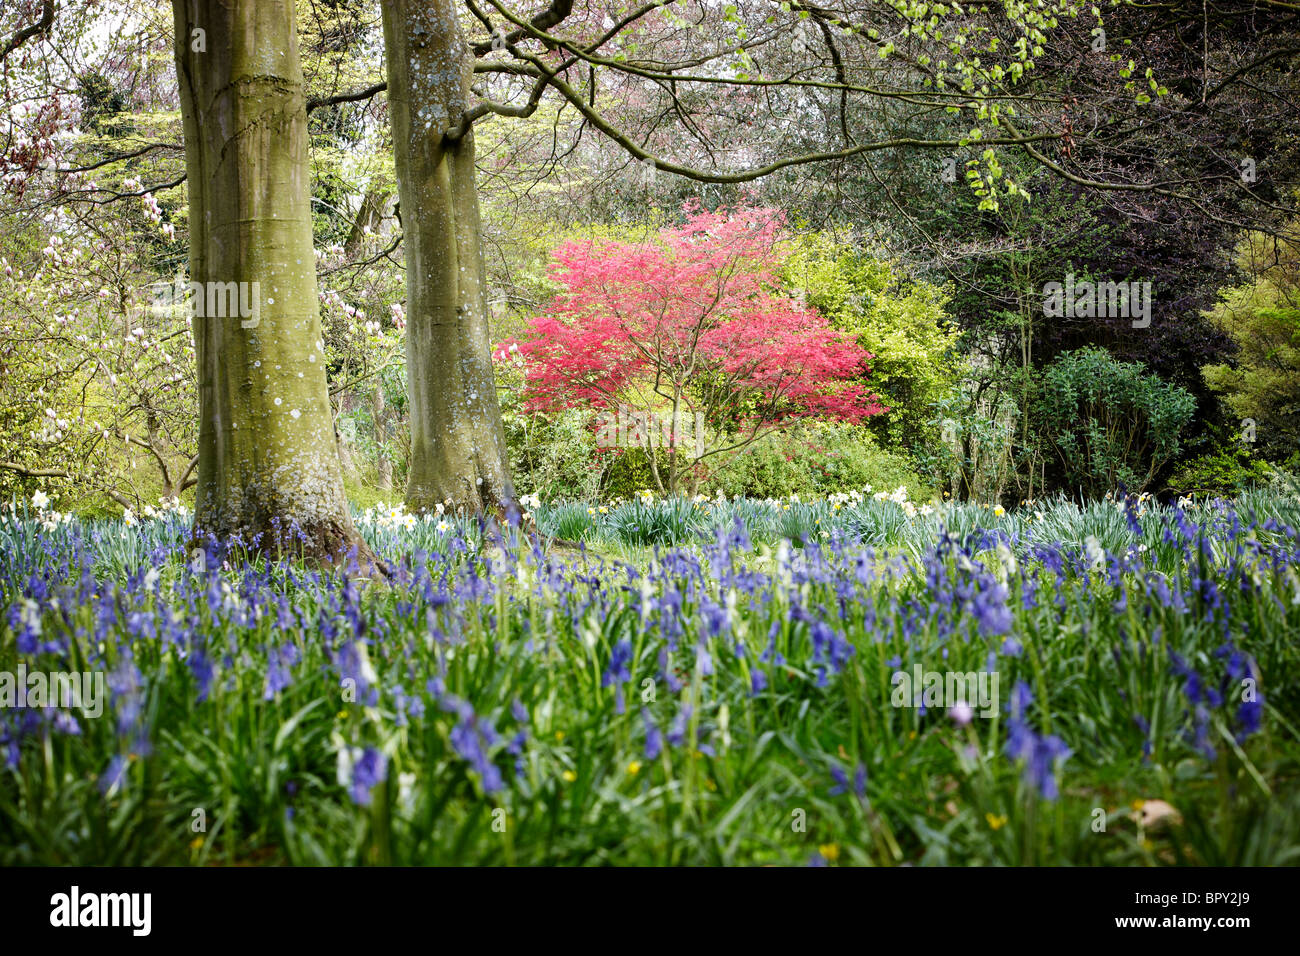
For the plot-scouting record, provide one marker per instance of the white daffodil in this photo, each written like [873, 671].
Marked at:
[1096, 553]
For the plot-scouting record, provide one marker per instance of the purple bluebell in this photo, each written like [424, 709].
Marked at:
[368, 771]
[654, 743]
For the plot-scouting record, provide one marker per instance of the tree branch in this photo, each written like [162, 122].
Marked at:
[26, 33]
[353, 97]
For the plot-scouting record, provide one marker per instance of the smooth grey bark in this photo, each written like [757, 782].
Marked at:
[268, 462]
[458, 449]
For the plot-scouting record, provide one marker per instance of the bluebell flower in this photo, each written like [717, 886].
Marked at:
[1021, 698]
[704, 659]
[654, 744]
[841, 780]
[619, 659]
[278, 676]
[1040, 755]
[1250, 716]
[1201, 733]
[677, 729]
[114, 775]
[1146, 733]
[65, 723]
[369, 770]
[516, 745]
[468, 740]
[991, 611]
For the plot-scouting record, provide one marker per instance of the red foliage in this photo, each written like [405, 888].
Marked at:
[696, 314]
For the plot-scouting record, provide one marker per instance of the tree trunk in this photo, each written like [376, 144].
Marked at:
[268, 464]
[368, 216]
[458, 450]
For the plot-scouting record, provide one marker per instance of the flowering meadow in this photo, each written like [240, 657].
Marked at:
[694, 682]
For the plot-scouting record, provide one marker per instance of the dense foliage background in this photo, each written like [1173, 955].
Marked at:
[934, 272]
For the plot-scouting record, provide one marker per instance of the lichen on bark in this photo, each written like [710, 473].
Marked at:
[268, 467]
[458, 451]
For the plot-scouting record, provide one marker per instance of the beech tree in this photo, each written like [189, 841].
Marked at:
[268, 464]
[690, 324]
[458, 450]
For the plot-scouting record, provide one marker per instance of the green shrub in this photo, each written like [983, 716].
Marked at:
[813, 459]
[1228, 470]
[1262, 383]
[900, 320]
[1109, 423]
[552, 455]
[627, 470]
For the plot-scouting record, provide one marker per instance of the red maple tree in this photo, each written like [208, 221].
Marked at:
[691, 326]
